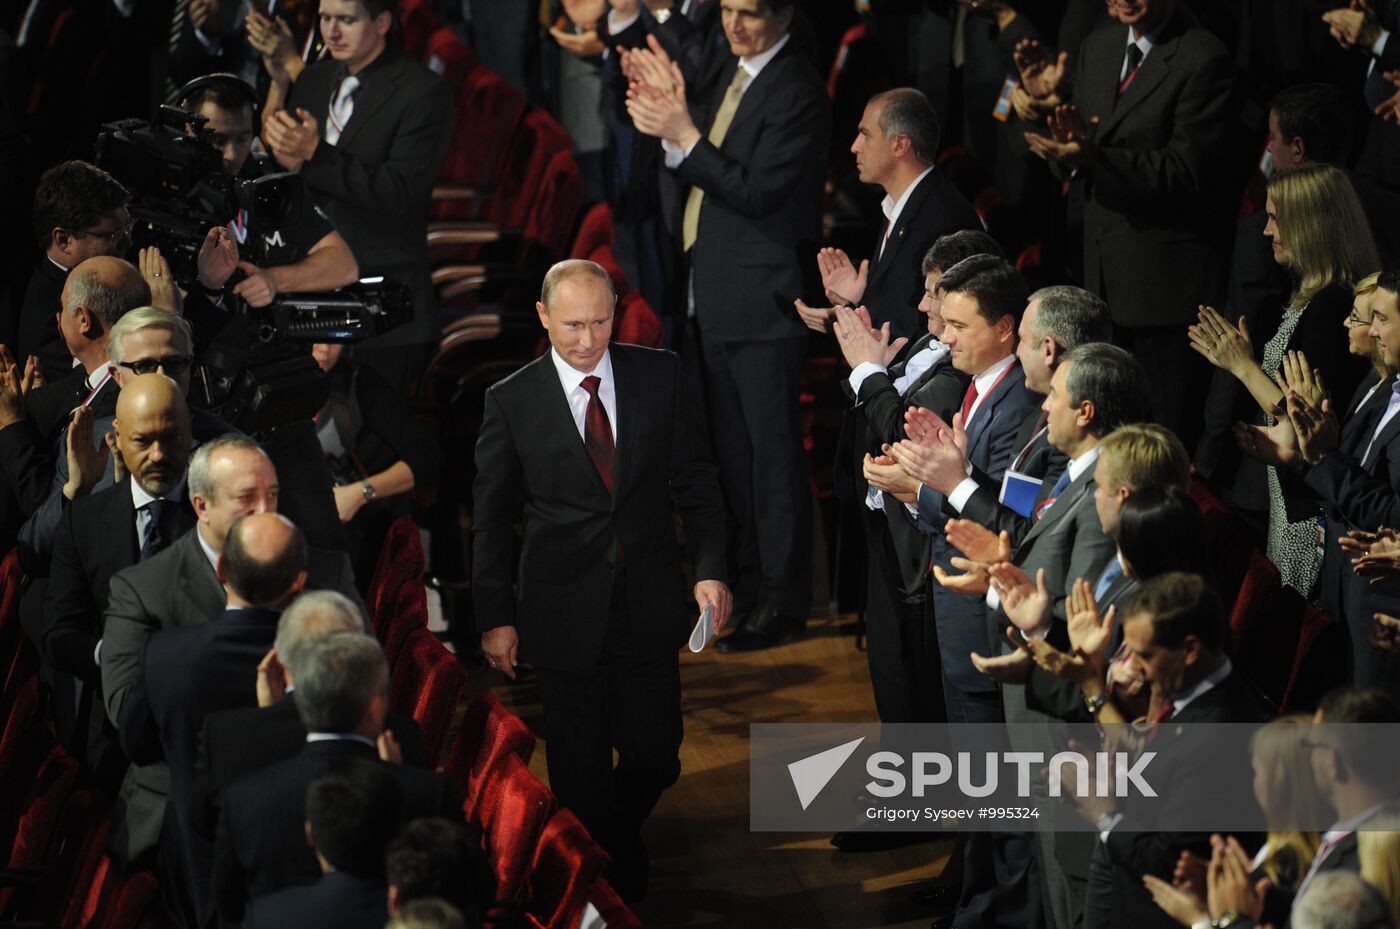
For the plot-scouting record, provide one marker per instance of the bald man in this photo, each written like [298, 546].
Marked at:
[192, 671]
[102, 533]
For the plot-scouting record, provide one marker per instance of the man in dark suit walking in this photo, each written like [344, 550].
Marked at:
[894, 148]
[752, 214]
[192, 671]
[342, 696]
[367, 129]
[104, 533]
[601, 612]
[1148, 137]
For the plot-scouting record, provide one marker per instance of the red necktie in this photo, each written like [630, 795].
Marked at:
[597, 432]
[969, 399]
[1164, 712]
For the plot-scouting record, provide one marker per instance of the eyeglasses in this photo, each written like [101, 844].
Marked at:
[119, 232]
[171, 365]
[1353, 320]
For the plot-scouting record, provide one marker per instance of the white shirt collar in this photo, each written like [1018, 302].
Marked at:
[1078, 466]
[140, 498]
[1144, 43]
[340, 737]
[208, 550]
[1180, 701]
[572, 377]
[987, 378]
[56, 264]
[894, 207]
[1343, 829]
[760, 61]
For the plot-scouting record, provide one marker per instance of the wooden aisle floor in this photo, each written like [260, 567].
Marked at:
[708, 869]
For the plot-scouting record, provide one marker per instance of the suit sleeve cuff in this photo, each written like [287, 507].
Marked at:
[861, 372]
[962, 493]
[1378, 49]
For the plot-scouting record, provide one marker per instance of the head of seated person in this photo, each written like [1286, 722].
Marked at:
[263, 562]
[945, 252]
[436, 858]
[80, 212]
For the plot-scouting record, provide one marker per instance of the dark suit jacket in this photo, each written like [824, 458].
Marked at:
[1157, 214]
[877, 417]
[376, 181]
[1041, 460]
[235, 742]
[1140, 844]
[338, 899]
[176, 588]
[531, 460]
[188, 673]
[38, 332]
[895, 284]
[261, 844]
[761, 216]
[991, 438]
[1053, 695]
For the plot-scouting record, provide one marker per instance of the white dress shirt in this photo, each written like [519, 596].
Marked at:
[984, 381]
[571, 379]
[892, 208]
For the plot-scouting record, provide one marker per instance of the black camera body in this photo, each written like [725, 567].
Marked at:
[181, 189]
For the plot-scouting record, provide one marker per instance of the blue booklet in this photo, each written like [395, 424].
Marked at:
[1018, 491]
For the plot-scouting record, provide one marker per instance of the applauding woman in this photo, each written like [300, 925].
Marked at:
[1320, 234]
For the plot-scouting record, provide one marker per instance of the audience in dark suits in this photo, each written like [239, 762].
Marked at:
[342, 697]
[352, 814]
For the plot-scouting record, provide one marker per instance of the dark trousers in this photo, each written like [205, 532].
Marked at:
[1177, 378]
[901, 644]
[628, 701]
[752, 397]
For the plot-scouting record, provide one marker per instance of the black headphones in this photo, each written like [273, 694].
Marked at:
[225, 80]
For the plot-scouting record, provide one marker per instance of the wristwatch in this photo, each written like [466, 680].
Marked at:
[1095, 703]
[367, 489]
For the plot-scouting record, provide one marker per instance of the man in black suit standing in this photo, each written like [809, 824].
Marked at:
[601, 612]
[895, 146]
[192, 671]
[1148, 137]
[342, 696]
[367, 129]
[104, 533]
[752, 214]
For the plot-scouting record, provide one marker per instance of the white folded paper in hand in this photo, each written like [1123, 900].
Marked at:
[704, 630]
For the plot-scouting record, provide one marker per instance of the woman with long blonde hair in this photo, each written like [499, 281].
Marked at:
[1378, 846]
[1319, 232]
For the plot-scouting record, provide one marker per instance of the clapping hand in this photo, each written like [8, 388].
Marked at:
[1177, 902]
[15, 386]
[1384, 634]
[1228, 883]
[1012, 668]
[1071, 139]
[1222, 344]
[843, 282]
[1389, 108]
[87, 458]
[1089, 633]
[935, 453]
[861, 344]
[273, 40]
[293, 139]
[977, 541]
[1296, 375]
[1275, 445]
[1026, 604]
[1353, 26]
[886, 476]
[1041, 74]
[165, 292]
[272, 679]
[1314, 424]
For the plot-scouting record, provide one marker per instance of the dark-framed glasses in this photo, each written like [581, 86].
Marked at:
[170, 365]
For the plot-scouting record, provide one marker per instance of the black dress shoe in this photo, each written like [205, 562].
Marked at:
[763, 629]
[936, 894]
[872, 840]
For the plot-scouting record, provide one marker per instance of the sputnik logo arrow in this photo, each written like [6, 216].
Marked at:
[811, 774]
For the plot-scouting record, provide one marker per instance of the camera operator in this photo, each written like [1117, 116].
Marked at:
[307, 255]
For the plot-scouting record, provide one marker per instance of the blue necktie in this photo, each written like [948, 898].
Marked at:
[1110, 574]
[1055, 492]
[155, 532]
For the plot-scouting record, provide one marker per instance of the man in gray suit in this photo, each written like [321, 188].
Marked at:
[1148, 141]
[228, 478]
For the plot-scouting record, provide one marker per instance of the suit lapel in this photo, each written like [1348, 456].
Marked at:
[201, 590]
[1361, 421]
[1387, 435]
[901, 226]
[1154, 70]
[376, 92]
[1101, 78]
[1063, 507]
[558, 418]
[627, 392]
[752, 102]
[985, 412]
[118, 524]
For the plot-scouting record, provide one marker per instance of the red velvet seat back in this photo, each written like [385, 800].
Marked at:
[489, 732]
[427, 683]
[418, 22]
[62, 891]
[32, 796]
[408, 612]
[637, 322]
[488, 124]
[401, 562]
[567, 864]
[595, 230]
[512, 814]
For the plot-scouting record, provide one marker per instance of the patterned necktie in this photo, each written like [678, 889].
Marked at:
[597, 432]
[155, 530]
[179, 15]
[690, 223]
[342, 106]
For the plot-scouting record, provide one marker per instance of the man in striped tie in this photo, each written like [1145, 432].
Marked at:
[595, 448]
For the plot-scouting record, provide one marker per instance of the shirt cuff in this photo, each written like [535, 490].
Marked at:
[861, 372]
[675, 154]
[1378, 49]
[617, 24]
[962, 493]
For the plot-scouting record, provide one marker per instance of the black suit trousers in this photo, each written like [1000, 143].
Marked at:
[629, 701]
[901, 640]
[751, 389]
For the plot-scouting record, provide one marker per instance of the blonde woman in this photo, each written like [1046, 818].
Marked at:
[1319, 232]
[1360, 343]
[1380, 857]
